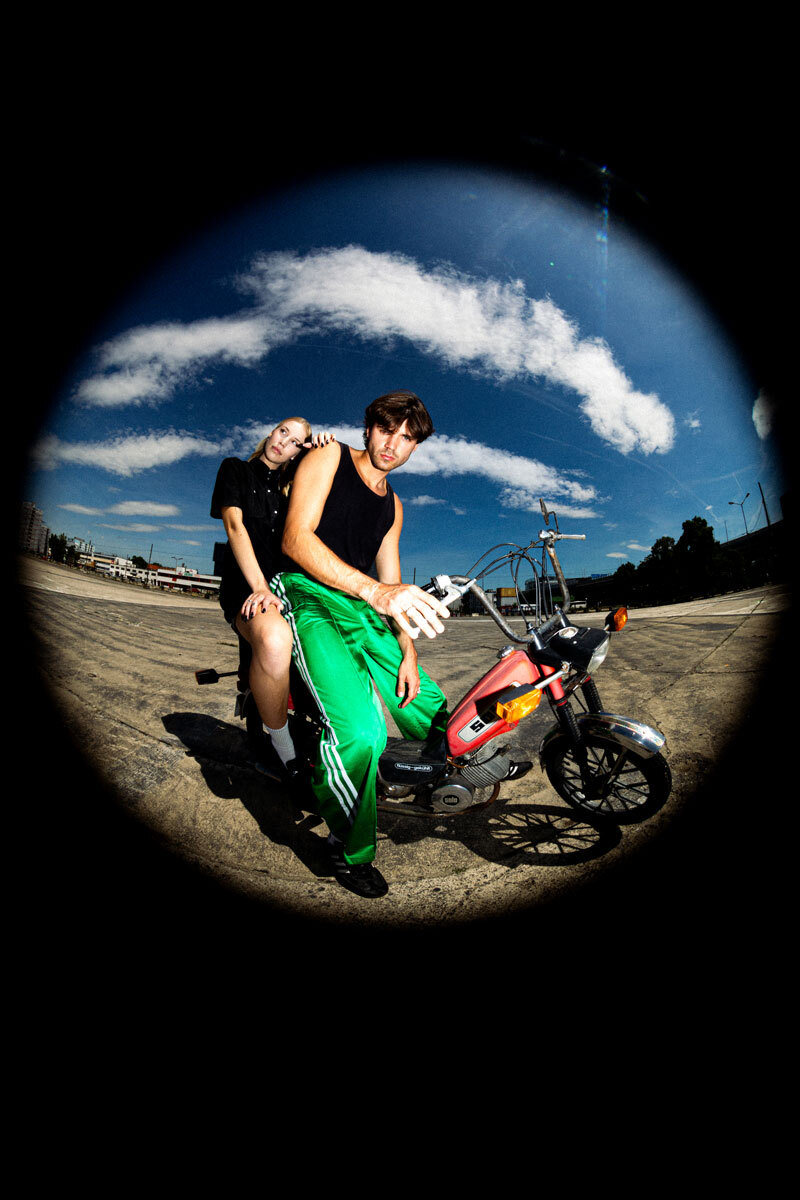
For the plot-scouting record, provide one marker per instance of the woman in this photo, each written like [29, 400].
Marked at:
[251, 498]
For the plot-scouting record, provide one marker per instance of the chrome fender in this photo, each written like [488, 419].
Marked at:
[633, 735]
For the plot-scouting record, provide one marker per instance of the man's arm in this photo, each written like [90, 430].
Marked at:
[310, 490]
[387, 562]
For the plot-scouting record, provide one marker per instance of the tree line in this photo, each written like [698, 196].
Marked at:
[61, 551]
[696, 565]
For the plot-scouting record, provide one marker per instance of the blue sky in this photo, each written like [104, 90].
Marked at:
[559, 355]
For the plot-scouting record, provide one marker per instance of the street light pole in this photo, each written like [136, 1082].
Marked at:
[740, 503]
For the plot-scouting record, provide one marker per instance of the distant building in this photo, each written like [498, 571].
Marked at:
[105, 564]
[505, 597]
[183, 579]
[34, 535]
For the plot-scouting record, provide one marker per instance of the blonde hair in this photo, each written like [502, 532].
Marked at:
[259, 450]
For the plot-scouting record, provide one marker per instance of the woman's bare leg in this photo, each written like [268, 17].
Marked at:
[270, 639]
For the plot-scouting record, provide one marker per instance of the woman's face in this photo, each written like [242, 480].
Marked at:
[284, 443]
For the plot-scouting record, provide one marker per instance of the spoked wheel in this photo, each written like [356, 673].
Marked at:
[626, 787]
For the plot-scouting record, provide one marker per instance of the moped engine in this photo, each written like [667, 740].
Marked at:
[486, 769]
[412, 769]
[453, 796]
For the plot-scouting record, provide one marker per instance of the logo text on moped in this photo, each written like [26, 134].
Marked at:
[469, 732]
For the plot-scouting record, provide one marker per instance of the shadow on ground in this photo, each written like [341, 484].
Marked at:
[509, 832]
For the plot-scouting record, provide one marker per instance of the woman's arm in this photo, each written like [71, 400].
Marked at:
[242, 547]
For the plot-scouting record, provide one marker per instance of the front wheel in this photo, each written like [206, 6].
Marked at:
[624, 786]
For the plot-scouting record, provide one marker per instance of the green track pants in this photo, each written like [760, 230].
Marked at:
[341, 646]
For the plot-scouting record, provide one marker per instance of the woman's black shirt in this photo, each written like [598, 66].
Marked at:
[255, 489]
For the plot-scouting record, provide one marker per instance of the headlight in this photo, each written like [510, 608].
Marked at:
[598, 658]
[585, 649]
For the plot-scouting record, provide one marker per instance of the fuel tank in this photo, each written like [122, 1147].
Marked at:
[474, 720]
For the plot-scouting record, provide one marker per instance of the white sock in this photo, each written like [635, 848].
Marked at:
[282, 741]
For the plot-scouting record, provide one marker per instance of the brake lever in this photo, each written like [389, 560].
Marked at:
[445, 591]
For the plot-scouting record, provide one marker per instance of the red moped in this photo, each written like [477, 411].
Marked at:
[604, 764]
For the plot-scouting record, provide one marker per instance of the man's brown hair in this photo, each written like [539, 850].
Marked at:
[391, 410]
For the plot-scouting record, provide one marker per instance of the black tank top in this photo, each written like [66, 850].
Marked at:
[355, 519]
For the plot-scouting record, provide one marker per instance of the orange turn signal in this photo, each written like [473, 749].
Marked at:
[516, 709]
[617, 619]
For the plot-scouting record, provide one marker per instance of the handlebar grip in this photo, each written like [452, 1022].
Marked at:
[444, 590]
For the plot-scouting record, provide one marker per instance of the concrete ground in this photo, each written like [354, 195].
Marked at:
[119, 663]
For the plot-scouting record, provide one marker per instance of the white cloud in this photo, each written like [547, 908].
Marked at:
[83, 510]
[427, 501]
[522, 480]
[144, 508]
[636, 546]
[148, 363]
[442, 456]
[174, 346]
[763, 415]
[486, 326]
[124, 455]
[193, 528]
[133, 528]
[125, 386]
[529, 502]
[616, 554]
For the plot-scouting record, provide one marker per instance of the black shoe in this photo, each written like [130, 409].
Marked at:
[295, 775]
[264, 757]
[518, 769]
[293, 770]
[361, 878]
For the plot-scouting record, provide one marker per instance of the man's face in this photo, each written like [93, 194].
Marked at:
[390, 448]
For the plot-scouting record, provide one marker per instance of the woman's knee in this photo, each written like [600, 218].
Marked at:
[272, 642]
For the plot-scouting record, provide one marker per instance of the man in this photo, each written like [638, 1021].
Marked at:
[344, 517]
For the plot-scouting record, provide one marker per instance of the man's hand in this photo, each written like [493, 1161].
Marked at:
[405, 603]
[260, 601]
[408, 681]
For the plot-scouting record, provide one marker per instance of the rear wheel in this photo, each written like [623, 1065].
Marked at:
[624, 786]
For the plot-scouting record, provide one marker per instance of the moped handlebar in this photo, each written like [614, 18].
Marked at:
[449, 587]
